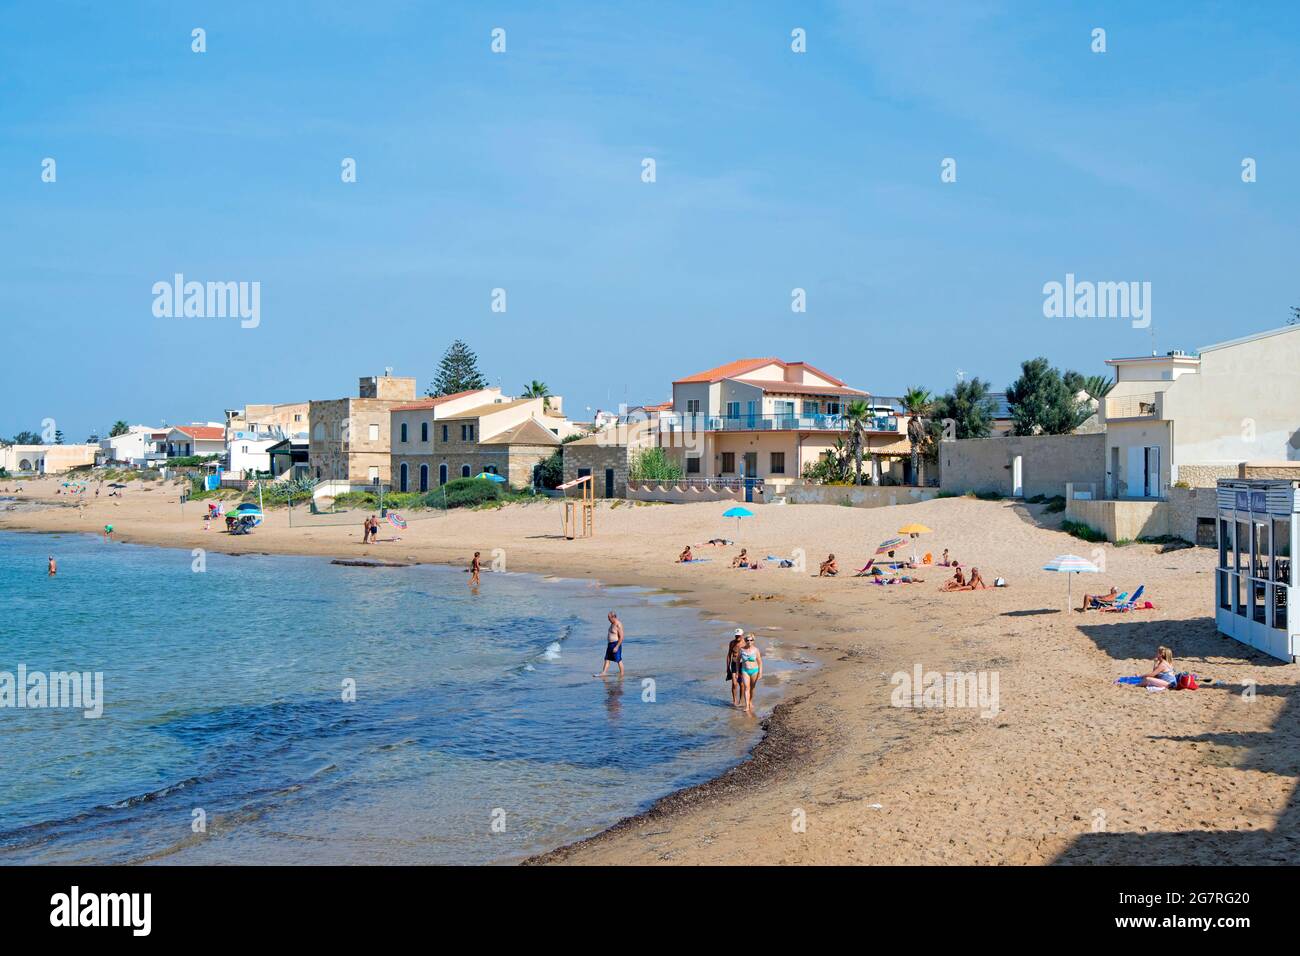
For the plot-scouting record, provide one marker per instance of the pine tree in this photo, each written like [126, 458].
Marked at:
[457, 372]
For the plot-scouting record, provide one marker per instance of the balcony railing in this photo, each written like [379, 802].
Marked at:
[1135, 406]
[769, 423]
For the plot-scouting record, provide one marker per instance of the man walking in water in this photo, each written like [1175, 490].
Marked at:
[475, 566]
[54, 567]
[613, 646]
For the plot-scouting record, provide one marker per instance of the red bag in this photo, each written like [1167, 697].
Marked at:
[1186, 682]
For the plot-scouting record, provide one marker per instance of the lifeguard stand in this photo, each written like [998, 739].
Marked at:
[579, 525]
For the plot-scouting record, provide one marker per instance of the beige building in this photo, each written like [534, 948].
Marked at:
[436, 441]
[46, 459]
[767, 418]
[1189, 420]
[287, 419]
[350, 437]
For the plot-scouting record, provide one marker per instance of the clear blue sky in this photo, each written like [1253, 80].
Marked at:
[522, 171]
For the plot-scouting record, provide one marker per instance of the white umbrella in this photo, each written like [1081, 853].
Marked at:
[1071, 564]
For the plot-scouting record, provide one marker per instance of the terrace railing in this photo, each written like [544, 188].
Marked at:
[790, 422]
[1135, 406]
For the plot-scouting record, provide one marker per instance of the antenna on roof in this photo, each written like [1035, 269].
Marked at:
[388, 371]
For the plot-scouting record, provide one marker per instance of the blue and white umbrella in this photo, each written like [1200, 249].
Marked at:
[1071, 564]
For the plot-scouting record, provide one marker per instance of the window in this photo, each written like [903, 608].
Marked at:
[728, 462]
[374, 474]
[374, 433]
[1205, 532]
[733, 409]
[424, 431]
[471, 432]
[297, 418]
[832, 408]
[424, 477]
[464, 471]
[778, 463]
[463, 431]
[401, 484]
[693, 465]
[692, 406]
[403, 433]
[444, 432]
[812, 408]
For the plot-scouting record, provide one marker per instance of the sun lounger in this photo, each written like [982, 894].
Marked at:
[1098, 605]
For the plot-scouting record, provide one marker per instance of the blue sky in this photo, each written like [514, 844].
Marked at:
[522, 171]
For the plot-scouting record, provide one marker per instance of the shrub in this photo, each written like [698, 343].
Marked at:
[551, 471]
[465, 493]
[653, 464]
[1055, 505]
[1080, 530]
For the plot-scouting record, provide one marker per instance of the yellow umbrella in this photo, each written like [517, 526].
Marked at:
[912, 530]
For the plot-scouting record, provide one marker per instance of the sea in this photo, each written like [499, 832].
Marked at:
[274, 709]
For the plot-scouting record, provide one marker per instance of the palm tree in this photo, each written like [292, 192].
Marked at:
[119, 428]
[856, 414]
[536, 389]
[917, 403]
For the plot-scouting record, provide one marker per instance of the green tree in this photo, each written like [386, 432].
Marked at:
[119, 428]
[1098, 386]
[971, 408]
[653, 464]
[918, 403]
[536, 389]
[25, 438]
[58, 436]
[1043, 402]
[457, 372]
[856, 413]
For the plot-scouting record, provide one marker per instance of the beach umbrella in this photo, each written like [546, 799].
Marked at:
[737, 513]
[490, 477]
[912, 530]
[1071, 564]
[890, 544]
[396, 520]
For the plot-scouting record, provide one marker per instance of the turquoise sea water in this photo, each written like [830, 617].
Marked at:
[223, 703]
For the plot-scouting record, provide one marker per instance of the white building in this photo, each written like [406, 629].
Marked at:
[184, 441]
[139, 446]
[250, 452]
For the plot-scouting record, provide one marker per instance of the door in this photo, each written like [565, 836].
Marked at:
[1153, 472]
[402, 479]
[424, 477]
[751, 464]
[1135, 475]
[751, 414]
[442, 474]
[1017, 477]
[1114, 471]
[609, 482]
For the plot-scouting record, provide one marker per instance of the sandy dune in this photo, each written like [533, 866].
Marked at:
[1070, 769]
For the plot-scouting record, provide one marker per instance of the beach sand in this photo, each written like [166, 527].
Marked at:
[1070, 769]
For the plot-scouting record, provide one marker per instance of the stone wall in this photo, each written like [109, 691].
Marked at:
[860, 496]
[1205, 476]
[596, 458]
[1048, 462]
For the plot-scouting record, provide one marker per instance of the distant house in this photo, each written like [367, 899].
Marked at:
[767, 418]
[608, 454]
[1192, 419]
[288, 458]
[1003, 424]
[434, 443]
[46, 459]
[185, 441]
[139, 446]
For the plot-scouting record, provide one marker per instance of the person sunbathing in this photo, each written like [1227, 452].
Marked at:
[685, 555]
[828, 567]
[946, 563]
[1100, 600]
[741, 560]
[976, 583]
[955, 583]
[718, 542]
[865, 569]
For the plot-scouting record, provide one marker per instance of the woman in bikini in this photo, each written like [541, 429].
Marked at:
[976, 583]
[751, 670]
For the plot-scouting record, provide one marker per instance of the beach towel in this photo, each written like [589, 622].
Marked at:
[695, 561]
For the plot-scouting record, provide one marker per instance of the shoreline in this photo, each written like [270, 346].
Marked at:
[845, 772]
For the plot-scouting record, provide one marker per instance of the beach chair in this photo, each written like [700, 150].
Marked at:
[1098, 606]
[1130, 604]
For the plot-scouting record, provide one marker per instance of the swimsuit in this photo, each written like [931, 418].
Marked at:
[749, 662]
[613, 650]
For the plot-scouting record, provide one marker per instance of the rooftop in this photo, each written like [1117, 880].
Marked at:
[435, 401]
[527, 432]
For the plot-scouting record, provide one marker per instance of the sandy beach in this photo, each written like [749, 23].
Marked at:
[1070, 769]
